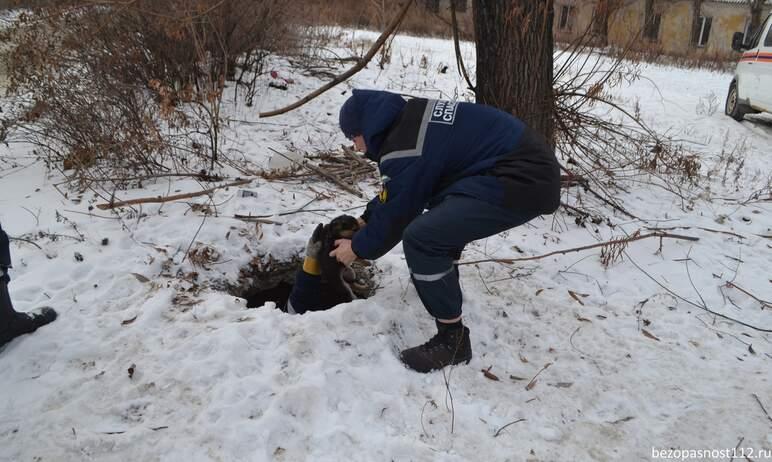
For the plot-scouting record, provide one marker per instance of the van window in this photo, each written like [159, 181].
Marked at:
[768, 40]
[757, 35]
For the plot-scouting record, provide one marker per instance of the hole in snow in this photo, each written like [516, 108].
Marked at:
[268, 280]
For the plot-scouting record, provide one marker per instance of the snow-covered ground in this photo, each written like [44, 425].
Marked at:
[629, 367]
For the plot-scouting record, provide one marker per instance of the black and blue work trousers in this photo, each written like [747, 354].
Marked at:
[433, 243]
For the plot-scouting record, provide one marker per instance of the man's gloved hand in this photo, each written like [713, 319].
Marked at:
[313, 248]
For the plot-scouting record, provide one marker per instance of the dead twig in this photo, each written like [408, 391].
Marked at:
[346, 75]
[660, 235]
[498, 432]
[252, 219]
[193, 240]
[674, 294]
[351, 154]
[762, 406]
[764, 303]
[532, 383]
[162, 199]
[742, 438]
[697, 227]
[21, 239]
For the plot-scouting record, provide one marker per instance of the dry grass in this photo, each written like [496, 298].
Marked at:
[373, 14]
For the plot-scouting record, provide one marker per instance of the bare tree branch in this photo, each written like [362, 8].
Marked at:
[346, 75]
[586, 247]
[161, 199]
[457, 46]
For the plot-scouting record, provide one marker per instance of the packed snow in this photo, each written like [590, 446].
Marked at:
[147, 362]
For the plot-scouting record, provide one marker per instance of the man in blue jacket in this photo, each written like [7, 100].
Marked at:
[12, 323]
[478, 170]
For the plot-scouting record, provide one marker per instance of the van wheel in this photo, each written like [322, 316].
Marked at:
[734, 108]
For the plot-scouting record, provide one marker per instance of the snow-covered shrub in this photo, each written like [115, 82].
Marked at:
[136, 87]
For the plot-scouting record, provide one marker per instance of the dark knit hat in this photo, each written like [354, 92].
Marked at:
[350, 119]
[370, 113]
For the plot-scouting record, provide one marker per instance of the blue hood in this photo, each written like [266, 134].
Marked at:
[370, 113]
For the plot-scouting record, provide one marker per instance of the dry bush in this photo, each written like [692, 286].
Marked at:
[136, 87]
[601, 140]
[717, 61]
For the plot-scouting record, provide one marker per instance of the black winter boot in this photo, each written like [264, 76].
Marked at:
[13, 324]
[449, 346]
[26, 323]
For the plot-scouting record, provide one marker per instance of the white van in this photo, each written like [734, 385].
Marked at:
[751, 89]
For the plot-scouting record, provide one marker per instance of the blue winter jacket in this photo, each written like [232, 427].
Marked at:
[428, 149]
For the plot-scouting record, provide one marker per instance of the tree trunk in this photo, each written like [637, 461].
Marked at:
[604, 9]
[514, 59]
[600, 22]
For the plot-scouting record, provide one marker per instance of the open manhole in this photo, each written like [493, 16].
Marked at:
[269, 280]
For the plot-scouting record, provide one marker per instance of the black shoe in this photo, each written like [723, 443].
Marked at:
[450, 346]
[26, 323]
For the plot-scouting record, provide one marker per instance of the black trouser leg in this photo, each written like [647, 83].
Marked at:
[7, 313]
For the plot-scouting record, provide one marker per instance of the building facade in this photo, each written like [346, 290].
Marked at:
[677, 27]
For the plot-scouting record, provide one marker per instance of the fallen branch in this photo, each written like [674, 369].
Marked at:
[162, 199]
[254, 219]
[697, 227]
[660, 235]
[764, 303]
[684, 299]
[21, 239]
[346, 75]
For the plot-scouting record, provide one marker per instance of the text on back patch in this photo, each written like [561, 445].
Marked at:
[444, 112]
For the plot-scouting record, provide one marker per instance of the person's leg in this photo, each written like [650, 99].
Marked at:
[6, 308]
[432, 245]
[13, 323]
[7, 312]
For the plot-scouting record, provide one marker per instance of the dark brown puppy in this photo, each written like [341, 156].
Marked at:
[335, 288]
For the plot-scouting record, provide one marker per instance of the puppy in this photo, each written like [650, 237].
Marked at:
[323, 282]
[336, 277]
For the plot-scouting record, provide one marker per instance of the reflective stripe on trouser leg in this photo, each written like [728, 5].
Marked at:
[434, 240]
[440, 293]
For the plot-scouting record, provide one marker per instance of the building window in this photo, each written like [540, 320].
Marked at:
[651, 30]
[460, 5]
[566, 18]
[702, 31]
[599, 19]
